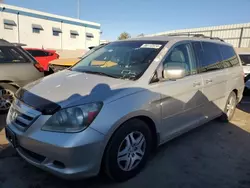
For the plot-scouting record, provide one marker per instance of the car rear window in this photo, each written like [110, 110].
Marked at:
[38, 53]
[245, 59]
[12, 55]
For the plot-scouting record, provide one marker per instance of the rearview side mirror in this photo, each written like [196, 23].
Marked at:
[174, 71]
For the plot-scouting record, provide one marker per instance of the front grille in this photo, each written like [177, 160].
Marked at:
[34, 156]
[57, 68]
[22, 116]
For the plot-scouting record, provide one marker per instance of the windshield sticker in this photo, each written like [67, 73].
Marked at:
[155, 46]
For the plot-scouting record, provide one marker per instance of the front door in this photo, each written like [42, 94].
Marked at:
[180, 98]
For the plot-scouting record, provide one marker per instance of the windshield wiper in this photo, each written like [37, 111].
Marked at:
[99, 73]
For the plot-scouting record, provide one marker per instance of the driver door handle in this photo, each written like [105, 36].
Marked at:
[208, 81]
[195, 84]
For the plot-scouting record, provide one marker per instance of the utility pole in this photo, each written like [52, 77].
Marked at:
[78, 9]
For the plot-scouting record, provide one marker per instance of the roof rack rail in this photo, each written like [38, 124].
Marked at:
[19, 44]
[195, 35]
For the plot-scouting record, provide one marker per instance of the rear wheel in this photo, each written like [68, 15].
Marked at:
[7, 93]
[229, 108]
[128, 150]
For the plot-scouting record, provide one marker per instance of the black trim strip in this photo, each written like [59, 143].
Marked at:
[45, 106]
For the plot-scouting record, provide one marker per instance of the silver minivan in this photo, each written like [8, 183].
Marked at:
[117, 104]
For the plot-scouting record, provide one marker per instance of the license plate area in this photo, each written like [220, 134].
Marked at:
[11, 136]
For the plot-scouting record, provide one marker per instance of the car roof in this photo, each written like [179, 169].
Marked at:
[5, 43]
[178, 39]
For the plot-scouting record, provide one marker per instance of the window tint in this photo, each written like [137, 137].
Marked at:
[229, 56]
[11, 55]
[38, 53]
[245, 59]
[184, 55]
[208, 55]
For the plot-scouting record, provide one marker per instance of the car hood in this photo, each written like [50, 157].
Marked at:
[68, 88]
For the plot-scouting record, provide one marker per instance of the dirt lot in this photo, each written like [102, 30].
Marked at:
[213, 155]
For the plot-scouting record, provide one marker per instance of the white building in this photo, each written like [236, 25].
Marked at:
[42, 30]
[236, 34]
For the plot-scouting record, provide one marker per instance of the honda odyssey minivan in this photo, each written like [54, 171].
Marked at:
[111, 115]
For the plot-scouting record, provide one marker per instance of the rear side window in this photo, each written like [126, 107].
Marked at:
[12, 55]
[208, 55]
[38, 53]
[245, 59]
[229, 56]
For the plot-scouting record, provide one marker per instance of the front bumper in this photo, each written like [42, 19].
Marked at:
[67, 155]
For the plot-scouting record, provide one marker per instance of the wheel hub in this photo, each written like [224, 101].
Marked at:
[131, 151]
[6, 98]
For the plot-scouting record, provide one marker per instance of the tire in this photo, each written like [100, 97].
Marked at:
[228, 116]
[4, 107]
[119, 171]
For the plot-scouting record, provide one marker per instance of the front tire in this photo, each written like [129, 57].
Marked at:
[128, 150]
[229, 108]
[7, 93]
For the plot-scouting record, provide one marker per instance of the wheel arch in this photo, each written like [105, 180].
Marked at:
[150, 121]
[9, 82]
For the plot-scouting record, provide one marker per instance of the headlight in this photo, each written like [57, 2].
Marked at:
[73, 119]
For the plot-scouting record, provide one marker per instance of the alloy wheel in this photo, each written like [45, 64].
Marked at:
[6, 99]
[231, 105]
[131, 151]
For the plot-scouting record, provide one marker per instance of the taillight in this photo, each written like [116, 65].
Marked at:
[39, 67]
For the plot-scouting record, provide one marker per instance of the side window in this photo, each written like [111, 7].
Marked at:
[38, 53]
[11, 55]
[183, 54]
[210, 57]
[230, 58]
[245, 59]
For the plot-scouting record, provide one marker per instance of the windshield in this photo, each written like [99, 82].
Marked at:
[123, 59]
[245, 59]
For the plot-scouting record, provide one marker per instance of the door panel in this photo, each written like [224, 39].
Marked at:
[215, 86]
[180, 98]
[22, 73]
[214, 77]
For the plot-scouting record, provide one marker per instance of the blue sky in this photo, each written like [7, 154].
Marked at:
[146, 16]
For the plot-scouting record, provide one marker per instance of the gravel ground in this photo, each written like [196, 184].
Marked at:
[213, 155]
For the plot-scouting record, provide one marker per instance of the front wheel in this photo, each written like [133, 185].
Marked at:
[128, 150]
[229, 108]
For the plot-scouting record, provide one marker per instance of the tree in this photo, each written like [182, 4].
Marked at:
[124, 35]
[141, 35]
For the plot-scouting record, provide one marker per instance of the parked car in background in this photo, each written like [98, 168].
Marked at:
[245, 60]
[96, 116]
[17, 68]
[43, 56]
[61, 64]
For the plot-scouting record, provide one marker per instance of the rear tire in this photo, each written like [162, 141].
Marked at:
[128, 150]
[229, 108]
[7, 93]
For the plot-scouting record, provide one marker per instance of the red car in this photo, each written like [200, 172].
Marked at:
[43, 56]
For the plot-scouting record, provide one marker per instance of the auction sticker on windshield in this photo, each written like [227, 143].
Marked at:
[155, 46]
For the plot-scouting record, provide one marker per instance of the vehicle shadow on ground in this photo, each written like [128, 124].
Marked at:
[213, 155]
